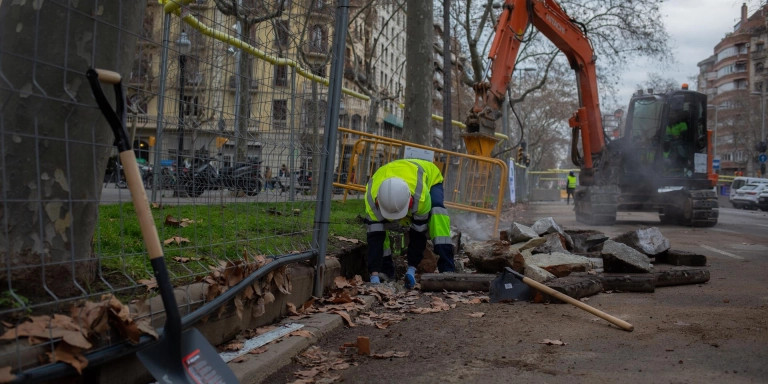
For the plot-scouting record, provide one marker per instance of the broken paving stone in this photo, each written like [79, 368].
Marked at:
[621, 258]
[519, 233]
[575, 286]
[538, 274]
[649, 241]
[559, 264]
[666, 277]
[675, 257]
[490, 256]
[530, 244]
[555, 243]
[548, 225]
[587, 242]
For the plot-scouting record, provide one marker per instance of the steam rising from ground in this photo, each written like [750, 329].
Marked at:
[479, 229]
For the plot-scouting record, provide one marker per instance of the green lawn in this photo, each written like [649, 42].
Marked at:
[214, 233]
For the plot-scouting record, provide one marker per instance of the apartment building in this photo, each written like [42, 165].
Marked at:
[734, 78]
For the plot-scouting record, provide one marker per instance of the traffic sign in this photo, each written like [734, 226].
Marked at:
[763, 157]
[715, 163]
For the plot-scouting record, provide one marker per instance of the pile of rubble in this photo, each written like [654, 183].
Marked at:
[582, 263]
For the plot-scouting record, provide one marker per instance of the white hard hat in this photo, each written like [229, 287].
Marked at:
[394, 198]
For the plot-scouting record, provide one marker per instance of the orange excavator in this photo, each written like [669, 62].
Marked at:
[652, 167]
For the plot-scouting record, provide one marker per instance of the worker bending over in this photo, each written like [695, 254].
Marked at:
[410, 190]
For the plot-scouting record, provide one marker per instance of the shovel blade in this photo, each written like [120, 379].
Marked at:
[200, 363]
[507, 287]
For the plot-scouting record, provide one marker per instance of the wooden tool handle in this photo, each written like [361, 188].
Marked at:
[141, 204]
[560, 296]
[109, 77]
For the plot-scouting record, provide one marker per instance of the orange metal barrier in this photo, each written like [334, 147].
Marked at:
[472, 183]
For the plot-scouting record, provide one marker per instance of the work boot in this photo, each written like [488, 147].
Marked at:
[410, 278]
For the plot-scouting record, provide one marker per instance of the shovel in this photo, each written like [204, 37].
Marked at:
[510, 290]
[176, 357]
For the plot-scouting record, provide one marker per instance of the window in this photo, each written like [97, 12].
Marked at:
[317, 39]
[191, 106]
[279, 113]
[318, 70]
[281, 75]
[282, 29]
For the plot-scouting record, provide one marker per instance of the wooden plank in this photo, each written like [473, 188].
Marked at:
[456, 281]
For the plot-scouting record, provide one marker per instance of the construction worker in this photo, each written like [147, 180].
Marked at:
[570, 187]
[402, 191]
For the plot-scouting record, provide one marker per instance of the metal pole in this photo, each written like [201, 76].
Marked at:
[323, 212]
[157, 168]
[182, 63]
[714, 146]
[762, 109]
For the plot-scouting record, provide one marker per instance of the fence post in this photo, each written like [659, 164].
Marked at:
[323, 212]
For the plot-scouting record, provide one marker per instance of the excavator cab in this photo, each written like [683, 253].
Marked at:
[666, 158]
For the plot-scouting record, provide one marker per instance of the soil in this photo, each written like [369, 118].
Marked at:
[712, 332]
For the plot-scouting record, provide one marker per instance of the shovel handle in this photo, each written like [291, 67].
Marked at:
[560, 296]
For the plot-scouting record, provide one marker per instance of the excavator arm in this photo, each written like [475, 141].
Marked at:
[549, 18]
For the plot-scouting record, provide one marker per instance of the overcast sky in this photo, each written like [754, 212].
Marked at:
[695, 27]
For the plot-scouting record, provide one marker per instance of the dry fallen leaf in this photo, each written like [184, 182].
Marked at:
[302, 333]
[258, 351]
[176, 239]
[150, 283]
[552, 342]
[70, 355]
[5, 375]
[353, 241]
[347, 318]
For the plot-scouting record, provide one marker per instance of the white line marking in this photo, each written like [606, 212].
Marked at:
[722, 252]
[724, 230]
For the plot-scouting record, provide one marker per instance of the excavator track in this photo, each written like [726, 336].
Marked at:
[697, 208]
[596, 205]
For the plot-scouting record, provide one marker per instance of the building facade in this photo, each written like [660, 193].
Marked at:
[733, 79]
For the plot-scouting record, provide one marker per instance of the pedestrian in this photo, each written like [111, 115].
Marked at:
[409, 190]
[283, 171]
[570, 188]
[268, 177]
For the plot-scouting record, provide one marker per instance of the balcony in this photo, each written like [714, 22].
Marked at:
[194, 79]
[233, 83]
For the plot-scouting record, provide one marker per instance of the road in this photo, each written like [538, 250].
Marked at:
[705, 333]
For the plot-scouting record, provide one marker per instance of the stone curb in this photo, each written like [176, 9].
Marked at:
[256, 368]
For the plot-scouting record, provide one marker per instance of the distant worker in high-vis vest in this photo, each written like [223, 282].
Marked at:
[570, 188]
[410, 190]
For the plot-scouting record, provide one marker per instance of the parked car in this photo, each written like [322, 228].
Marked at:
[746, 196]
[762, 200]
[741, 181]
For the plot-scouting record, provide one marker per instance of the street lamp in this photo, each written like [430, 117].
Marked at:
[184, 46]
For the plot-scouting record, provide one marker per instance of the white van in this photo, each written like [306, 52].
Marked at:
[740, 181]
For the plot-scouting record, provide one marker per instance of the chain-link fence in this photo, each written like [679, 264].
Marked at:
[226, 116]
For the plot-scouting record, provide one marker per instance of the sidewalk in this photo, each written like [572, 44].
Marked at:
[254, 368]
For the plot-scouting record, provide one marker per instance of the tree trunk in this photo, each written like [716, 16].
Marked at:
[243, 100]
[56, 143]
[417, 122]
